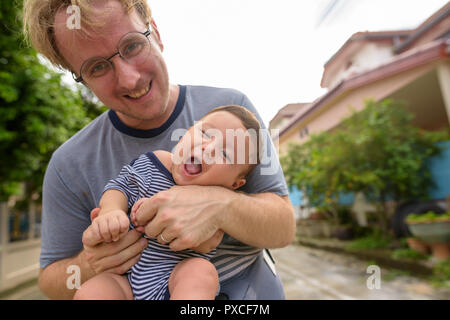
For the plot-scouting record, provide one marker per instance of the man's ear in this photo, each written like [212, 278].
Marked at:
[157, 35]
[238, 183]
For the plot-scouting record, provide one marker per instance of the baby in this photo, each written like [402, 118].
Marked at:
[205, 155]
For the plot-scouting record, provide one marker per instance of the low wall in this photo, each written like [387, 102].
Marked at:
[19, 260]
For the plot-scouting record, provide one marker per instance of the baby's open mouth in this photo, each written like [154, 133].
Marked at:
[193, 166]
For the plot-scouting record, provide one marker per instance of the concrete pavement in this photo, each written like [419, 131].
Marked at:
[314, 274]
[27, 291]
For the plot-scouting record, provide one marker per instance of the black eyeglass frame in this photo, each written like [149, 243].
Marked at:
[146, 34]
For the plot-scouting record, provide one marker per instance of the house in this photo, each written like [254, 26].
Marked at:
[285, 114]
[408, 65]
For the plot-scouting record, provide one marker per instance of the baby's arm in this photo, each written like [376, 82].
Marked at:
[112, 221]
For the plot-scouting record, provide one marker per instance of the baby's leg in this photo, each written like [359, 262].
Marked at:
[193, 279]
[105, 286]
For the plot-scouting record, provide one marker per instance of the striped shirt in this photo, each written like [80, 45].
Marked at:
[143, 178]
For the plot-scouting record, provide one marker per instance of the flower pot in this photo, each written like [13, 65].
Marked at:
[438, 231]
[440, 250]
[418, 245]
[343, 233]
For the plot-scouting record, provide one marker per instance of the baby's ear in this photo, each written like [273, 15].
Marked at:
[238, 183]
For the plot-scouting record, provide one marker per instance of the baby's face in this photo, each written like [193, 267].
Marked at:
[215, 151]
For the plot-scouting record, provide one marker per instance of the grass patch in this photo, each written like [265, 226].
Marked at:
[408, 254]
[441, 275]
[371, 242]
[392, 274]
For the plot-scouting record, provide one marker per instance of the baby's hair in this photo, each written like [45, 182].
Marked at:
[250, 122]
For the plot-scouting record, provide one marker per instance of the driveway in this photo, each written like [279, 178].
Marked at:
[315, 274]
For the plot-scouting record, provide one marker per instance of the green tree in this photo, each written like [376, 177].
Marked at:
[376, 151]
[315, 168]
[37, 111]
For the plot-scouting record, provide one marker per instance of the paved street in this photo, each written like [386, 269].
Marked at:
[29, 291]
[320, 275]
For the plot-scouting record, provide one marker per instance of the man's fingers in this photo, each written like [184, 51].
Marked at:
[140, 229]
[219, 235]
[145, 212]
[103, 256]
[94, 213]
[136, 205]
[123, 268]
[153, 229]
[122, 257]
[179, 245]
[131, 237]
[91, 237]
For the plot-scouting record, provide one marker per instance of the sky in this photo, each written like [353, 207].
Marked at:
[271, 50]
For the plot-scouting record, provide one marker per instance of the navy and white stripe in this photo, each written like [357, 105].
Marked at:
[149, 278]
[144, 177]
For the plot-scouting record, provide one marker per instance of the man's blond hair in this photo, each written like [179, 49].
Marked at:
[39, 20]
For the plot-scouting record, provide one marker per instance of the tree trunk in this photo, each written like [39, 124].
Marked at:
[382, 214]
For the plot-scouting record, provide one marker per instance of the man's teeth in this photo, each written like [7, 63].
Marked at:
[139, 94]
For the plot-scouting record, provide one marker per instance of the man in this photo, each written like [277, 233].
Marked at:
[117, 53]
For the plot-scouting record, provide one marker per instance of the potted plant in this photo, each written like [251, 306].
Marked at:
[433, 229]
[418, 245]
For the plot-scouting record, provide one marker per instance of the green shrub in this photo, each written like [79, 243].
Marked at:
[430, 216]
[377, 240]
[408, 254]
[441, 274]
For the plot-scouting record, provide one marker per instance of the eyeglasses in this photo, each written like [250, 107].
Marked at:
[133, 47]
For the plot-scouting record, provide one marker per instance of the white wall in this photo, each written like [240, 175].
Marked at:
[368, 57]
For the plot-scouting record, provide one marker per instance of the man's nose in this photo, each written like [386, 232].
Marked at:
[127, 74]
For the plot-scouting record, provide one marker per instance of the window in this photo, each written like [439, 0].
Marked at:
[24, 221]
[304, 132]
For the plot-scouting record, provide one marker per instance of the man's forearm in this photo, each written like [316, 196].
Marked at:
[53, 279]
[263, 220]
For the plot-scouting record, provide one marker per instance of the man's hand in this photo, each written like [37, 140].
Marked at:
[210, 244]
[116, 257]
[187, 216]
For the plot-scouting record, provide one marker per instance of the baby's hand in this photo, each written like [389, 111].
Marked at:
[111, 226]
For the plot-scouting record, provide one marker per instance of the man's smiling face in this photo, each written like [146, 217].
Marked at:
[140, 94]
